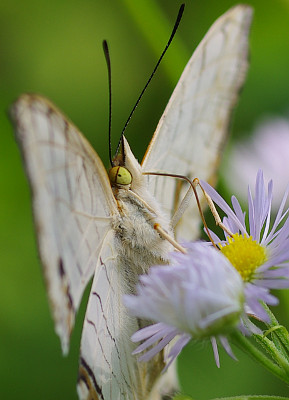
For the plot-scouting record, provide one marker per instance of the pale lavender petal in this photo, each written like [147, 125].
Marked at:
[268, 218]
[247, 327]
[256, 205]
[259, 311]
[280, 216]
[251, 214]
[279, 257]
[226, 345]
[277, 273]
[261, 205]
[215, 237]
[147, 332]
[176, 349]
[222, 204]
[256, 293]
[273, 284]
[159, 346]
[280, 235]
[238, 210]
[205, 322]
[215, 350]
[149, 341]
[231, 225]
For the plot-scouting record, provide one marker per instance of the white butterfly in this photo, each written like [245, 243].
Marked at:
[86, 228]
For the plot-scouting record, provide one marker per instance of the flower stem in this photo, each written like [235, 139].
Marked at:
[245, 344]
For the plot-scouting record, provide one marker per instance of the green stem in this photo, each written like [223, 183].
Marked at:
[274, 351]
[279, 334]
[244, 344]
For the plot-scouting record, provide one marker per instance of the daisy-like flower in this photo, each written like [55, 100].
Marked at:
[259, 253]
[199, 296]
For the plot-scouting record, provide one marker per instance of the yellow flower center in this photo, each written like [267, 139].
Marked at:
[245, 254]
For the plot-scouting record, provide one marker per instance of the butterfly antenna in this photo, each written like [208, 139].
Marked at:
[179, 17]
[107, 58]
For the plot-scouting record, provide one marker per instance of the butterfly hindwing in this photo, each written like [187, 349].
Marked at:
[72, 203]
[107, 367]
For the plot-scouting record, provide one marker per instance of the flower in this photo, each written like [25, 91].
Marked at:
[199, 296]
[259, 254]
[268, 147]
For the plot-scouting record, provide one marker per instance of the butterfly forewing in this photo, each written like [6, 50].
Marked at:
[72, 203]
[191, 133]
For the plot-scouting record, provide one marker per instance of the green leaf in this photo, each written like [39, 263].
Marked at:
[182, 397]
[245, 397]
[253, 398]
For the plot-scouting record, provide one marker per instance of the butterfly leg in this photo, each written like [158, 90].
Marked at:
[169, 238]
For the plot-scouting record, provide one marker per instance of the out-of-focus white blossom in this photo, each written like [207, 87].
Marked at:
[199, 296]
[266, 149]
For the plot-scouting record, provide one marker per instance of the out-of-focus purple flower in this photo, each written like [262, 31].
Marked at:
[267, 149]
[260, 253]
[199, 296]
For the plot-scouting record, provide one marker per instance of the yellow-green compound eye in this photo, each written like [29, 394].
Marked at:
[120, 176]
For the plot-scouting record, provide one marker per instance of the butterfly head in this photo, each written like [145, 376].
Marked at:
[119, 176]
[126, 172]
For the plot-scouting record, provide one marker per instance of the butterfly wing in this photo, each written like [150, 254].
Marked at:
[191, 133]
[74, 206]
[72, 203]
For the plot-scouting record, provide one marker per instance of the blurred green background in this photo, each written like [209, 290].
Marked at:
[54, 48]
